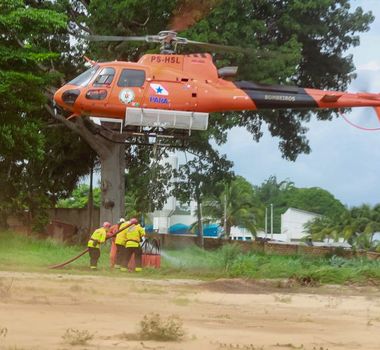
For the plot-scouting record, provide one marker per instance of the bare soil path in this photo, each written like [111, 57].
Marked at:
[36, 310]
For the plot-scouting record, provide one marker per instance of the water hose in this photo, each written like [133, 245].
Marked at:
[57, 266]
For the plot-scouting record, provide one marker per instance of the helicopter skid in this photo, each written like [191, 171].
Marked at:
[167, 119]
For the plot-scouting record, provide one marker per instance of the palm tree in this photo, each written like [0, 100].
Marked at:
[357, 226]
[235, 205]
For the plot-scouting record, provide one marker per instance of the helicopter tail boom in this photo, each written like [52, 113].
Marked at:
[278, 96]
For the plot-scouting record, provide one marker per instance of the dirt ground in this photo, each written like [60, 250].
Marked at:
[37, 309]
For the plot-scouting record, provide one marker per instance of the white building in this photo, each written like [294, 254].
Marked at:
[240, 234]
[173, 212]
[293, 221]
[161, 218]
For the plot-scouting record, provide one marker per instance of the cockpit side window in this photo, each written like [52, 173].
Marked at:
[105, 77]
[85, 77]
[131, 78]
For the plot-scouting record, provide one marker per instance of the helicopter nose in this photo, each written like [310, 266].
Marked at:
[66, 96]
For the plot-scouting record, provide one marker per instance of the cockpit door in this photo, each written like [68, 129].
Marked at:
[98, 92]
[129, 90]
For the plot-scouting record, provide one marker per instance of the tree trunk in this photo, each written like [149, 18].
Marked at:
[228, 229]
[110, 148]
[3, 220]
[90, 203]
[112, 206]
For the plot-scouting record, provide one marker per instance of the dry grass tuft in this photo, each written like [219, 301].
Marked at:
[77, 337]
[152, 327]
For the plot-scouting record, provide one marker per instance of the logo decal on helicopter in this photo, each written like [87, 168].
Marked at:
[159, 89]
[280, 98]
[126, 96]
[156, 99]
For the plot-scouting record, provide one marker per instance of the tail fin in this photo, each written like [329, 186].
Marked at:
[377, 110]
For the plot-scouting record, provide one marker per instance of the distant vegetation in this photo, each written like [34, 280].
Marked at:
[29, 254]
[357, 226]
[245, 203]
[245, 207]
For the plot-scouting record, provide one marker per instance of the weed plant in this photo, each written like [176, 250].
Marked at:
[77, 337]
[153, 327]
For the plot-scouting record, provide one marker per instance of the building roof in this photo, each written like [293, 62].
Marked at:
[303, 211]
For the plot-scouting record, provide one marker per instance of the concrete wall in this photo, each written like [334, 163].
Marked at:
[76, 216]
[170, 241]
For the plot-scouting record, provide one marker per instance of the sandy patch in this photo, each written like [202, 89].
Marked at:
[37, 309]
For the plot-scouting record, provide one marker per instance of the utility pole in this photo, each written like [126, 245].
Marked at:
[90, 202]
[225, 215]
[201, 226]
[271, 221]
[266, 221]
[199, 213]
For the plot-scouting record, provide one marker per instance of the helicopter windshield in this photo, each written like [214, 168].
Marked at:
[85, 77]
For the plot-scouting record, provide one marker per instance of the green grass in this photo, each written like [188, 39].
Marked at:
[22, 253]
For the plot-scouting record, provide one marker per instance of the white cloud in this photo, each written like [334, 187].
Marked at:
[371, 66]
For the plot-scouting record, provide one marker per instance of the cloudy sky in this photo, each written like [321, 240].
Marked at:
[344, 160]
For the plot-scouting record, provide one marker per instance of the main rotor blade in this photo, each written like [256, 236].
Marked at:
[219, 47]
[148, 38]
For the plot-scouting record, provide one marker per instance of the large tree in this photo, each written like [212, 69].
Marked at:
[300, 43]
[285, 194]
[235, 203]
[38, 161]
[357, 226]
[197, 179]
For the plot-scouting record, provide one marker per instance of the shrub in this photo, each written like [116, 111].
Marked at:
[77, 337]
[154, 328]
[228, 254]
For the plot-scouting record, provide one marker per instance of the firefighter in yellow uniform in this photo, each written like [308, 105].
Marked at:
[97, 238]
[120, 241]
[134, 237]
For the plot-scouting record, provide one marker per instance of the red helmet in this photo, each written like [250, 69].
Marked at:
[133, 221]
[106, 224]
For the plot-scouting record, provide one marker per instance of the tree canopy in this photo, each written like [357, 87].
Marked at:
[39, 162]
[235, 204]
[292, 42]
[285, 194]
[357, 226]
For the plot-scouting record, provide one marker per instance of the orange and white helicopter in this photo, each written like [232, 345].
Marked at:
[171, 90]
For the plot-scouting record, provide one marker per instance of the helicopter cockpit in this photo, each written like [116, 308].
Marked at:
[84, 78]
